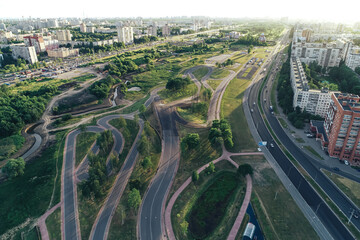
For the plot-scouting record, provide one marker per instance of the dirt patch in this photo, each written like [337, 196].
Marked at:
[249, 75]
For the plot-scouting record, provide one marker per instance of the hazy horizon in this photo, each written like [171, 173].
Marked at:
[305, 10]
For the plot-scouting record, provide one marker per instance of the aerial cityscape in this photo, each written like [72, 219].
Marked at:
[192, 120]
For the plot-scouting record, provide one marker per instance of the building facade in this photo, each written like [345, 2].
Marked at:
[125, 34]
[63, 52]
[63, 35]
[342, 124]
[166, 30]
[27, 53]
[83, 27]
[314, 101]
[353, 58]
[36, 41]
[325, 54]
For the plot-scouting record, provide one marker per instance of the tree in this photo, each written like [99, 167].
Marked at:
[210, 169]
[192, 140]
[144, 145]
[357, 70]
[134, 199]
[82, 128]
[146, 163]
[184, 227]
[14, 167]
[244, 169]
[195, 176]
[142, 108]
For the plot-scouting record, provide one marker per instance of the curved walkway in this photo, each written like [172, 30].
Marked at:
[225, 156]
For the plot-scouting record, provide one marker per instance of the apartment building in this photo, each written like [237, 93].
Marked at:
[62, 52]
[314, 101]
[125, 34]
[36, 41]
[166, 30]
[27, 53]
[342, 124]
[325, 54]
[63, 35]
[353, 58]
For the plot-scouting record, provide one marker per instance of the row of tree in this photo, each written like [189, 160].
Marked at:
[221, 132]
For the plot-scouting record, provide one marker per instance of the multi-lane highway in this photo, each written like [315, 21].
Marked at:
[329, 219]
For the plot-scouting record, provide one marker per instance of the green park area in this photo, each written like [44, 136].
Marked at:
[200, 72]
[219, 73]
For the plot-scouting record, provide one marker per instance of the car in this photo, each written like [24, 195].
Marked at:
[336, 169]
[264, 100]
[306, 131]
[259, 149]
[309, 135]
[346, 163]
[254, 103]
[271, 145]
[252, 110]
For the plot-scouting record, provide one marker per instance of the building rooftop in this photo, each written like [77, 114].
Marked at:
[348, 101]
[319, 125]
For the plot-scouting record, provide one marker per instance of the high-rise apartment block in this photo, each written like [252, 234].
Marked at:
[63, 35]
[36, 41]
[314, 101]
[125, 34]
[166, 30]
[83, 27]
[353, 58]
[27, 53]
[342, 125]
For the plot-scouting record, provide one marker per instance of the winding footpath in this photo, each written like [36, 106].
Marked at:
[225, 156]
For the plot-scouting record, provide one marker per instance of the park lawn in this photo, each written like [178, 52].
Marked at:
[10, 145]
[279, 217]
[241, 58]
[33, 85]
[53, 224]
[187, 200]
[169, 96]
[219, 73]
[232, 110]
[214, 83]
[349, 187]
[84, 142]
[188, 115]
[195, 158]
[246, 72]
[200, 72]
[123, 224]
[27, 197]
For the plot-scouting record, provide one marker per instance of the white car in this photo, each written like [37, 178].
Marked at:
[271, 145]
[346, 162]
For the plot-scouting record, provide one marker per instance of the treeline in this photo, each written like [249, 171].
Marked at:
[91, 37]
[121, 66]
[347, 80]
[94, 185]
[145, 39]
[249, 40]
[22, 108]
[90, 48]
[175, 84]
[196, 48]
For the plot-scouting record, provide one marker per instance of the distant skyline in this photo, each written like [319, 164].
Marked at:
[344, 11]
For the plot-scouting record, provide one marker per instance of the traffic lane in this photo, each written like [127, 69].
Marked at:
[334, 226]
[285, 164]
[334, 193]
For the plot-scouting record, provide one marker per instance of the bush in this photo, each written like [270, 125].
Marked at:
[244, 169]
[191, 140]
[195, 176]
[210, 169]
[14, 167]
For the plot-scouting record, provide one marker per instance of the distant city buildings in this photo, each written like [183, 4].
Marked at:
[36, 41]
[353, 58]
[125, 34]
[62, 52]
[342, 124]
[86, 29]
[233, 35]
[2, 26]
[152, 29]
[27, 53]
[83, 27]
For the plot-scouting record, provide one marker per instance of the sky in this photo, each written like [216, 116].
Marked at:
[326, 10]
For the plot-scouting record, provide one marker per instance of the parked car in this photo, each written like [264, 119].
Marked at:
[336, 169]
[271, 145]
[346, 163]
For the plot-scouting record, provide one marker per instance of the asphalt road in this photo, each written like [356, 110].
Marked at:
[102, 224]
[151, 211]
[329, 219]
[70, 224]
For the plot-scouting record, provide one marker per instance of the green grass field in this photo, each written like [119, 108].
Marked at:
[214, 83]
[187, 200]
[188, 115]
[33, 189]
[53, 224]
[232, 110]
[349, 187]
[313, 152]
[83, 143]
[169, 96]
[219, 73]
[200, 72]
[269, 199]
